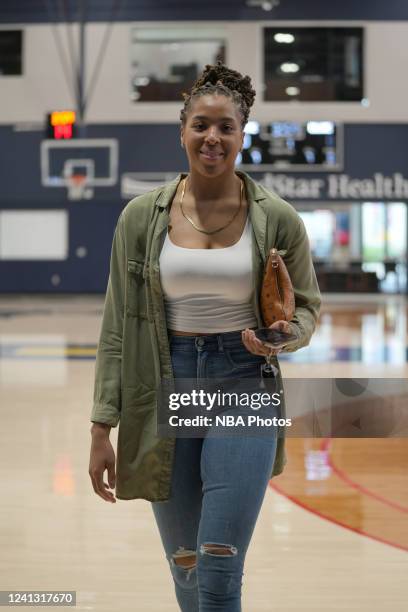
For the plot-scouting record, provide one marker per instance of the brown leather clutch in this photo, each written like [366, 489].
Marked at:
[277, 296]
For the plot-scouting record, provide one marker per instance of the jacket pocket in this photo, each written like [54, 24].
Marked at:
[136, 304]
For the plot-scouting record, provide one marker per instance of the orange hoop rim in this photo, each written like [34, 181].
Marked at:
[77, 179]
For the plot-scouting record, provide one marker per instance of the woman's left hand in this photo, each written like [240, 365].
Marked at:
[255, 346]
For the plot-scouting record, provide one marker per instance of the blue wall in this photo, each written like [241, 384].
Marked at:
[369, 149]
[142, 148]
[27, 11]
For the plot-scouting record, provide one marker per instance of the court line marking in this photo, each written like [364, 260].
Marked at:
[50, 351]
[336, 355]
[335, 521]
[326, 446]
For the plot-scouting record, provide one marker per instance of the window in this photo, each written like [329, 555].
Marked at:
[384, 231]
[313, 64]
[320, 226]
[397, 230]
[165, 62]
[11, 45]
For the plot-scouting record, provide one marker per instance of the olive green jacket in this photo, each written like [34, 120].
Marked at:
[133, 353]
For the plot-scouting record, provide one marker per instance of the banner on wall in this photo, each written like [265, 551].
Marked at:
[327, 187]
[338, 187]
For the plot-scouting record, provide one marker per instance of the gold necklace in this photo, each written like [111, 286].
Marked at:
[203, 231]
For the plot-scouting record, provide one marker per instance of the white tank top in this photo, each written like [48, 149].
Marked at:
[208, 290]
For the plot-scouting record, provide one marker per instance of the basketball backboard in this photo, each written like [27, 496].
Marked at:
[80, 165]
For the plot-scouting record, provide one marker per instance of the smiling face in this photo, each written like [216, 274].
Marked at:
[212, 135]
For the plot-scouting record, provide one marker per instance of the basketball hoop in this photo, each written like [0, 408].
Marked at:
[76, 186]
[79, 165]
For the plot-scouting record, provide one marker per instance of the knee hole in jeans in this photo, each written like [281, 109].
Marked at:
[226, 550]
[183, 568]
[219, 571]
[184, 557]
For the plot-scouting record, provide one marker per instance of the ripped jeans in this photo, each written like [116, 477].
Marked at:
[218, 486]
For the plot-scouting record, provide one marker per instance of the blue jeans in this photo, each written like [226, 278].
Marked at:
[218, 486]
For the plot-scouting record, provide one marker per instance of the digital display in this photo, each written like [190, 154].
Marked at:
[61, 125]
[312, 145]
[283, 129]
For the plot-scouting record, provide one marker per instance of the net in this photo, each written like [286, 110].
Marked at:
[76, 186]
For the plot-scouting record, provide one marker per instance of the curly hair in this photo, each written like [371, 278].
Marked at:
[219, 79]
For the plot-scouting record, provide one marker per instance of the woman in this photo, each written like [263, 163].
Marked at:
[182, 303]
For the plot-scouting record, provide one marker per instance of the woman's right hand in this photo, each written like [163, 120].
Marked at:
[102, 458]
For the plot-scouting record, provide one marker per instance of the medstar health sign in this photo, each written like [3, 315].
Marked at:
[339, 187]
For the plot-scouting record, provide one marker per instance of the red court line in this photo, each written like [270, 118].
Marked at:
[326, 445]
[335, 521]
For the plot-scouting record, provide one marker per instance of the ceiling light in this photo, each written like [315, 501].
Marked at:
[266, 5]
[141, 81]
[287, 39]
[293, 91]
[289, 67]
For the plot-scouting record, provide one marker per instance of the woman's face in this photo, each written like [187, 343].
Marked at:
[212, 135]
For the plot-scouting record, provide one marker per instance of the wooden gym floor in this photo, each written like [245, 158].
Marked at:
[332, 533]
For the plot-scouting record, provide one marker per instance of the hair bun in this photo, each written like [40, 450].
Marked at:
[219, 79]
[220, 74]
